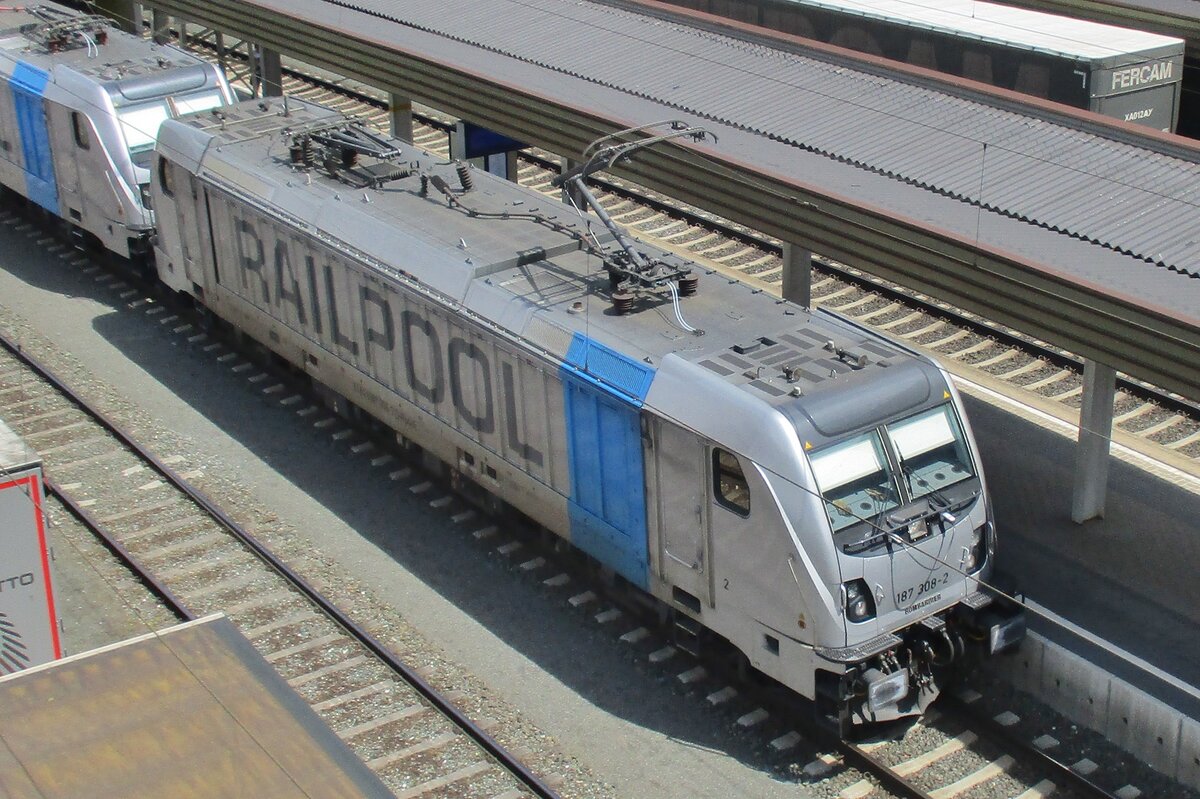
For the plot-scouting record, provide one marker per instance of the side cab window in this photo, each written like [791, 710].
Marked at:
[729, 482]
[166, 179]
[83, 136]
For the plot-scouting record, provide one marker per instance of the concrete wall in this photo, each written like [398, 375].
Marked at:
[1148, 728]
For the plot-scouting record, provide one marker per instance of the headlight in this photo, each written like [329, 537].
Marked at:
[977, 555]
[883, 691]
[860, 605]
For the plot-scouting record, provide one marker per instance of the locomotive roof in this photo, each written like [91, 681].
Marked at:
[122, 55]
[518, 259]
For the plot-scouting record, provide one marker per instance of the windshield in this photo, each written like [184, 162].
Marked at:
[932, 452]
[855, 480]
[197, 102]
[140, 123]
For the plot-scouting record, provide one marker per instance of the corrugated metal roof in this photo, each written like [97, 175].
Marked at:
[1118, 195]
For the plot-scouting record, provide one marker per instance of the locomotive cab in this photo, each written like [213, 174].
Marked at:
[833, 524]
[83, 106]
[140, 105]
[914, 537]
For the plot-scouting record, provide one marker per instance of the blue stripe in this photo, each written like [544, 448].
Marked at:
[28, 85]
[607, 507]
[608, 369]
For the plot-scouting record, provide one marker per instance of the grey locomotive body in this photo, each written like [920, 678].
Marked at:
[787, 481]
[79, 112]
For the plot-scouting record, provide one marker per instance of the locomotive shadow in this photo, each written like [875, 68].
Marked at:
[534, 621]
[22, 256]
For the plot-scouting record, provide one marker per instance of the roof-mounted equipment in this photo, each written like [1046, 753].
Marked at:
[631, 273]
[855, 360]
[57, 35]
[336, 147]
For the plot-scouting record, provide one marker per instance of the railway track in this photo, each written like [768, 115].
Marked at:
[200, 561]
[1167, 425]
[962, 748]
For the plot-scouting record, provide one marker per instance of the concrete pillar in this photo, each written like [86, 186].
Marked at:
[127, 13]
[797, 274]
[509, 168]
[458, 143]
[1095, 434]
[267, 79]
[400, 114]
[568, 190]
[160, 26]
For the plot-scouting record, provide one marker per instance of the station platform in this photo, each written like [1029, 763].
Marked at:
[1125, 588]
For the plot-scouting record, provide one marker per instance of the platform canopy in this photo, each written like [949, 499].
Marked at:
[192, 711]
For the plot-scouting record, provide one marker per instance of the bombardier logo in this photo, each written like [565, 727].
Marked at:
[13, 657]
[926, 602]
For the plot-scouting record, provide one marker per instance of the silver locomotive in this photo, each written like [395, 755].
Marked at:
[780, 481]
[80, 107]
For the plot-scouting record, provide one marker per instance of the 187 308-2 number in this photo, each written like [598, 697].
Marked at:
[922, 588]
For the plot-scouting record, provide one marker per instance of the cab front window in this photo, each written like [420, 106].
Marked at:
[140, 125]
[855, 480]
[932, 452]
[140, 122]
[201, 101]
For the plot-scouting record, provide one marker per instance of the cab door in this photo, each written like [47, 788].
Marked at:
[190, 216]
[71, 136]
[683, 510]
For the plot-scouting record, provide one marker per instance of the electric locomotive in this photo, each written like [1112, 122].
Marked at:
[80, 108]
[781, 480]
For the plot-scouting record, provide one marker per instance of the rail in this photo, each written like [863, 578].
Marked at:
[443, 704]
